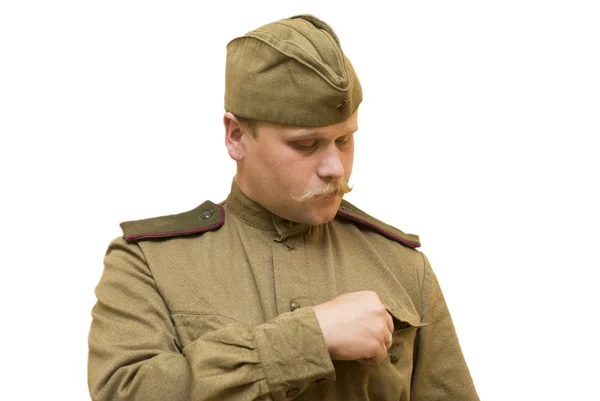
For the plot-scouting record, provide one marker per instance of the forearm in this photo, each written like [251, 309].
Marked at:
[135, 352]
[231, 363]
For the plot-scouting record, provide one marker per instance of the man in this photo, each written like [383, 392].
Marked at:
[283, 291]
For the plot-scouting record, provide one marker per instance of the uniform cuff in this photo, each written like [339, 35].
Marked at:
[293, 353]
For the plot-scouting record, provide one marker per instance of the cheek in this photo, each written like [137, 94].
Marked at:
[274, 171]
[290, 175]
[267, 164]
[294, 177]
[348, 162]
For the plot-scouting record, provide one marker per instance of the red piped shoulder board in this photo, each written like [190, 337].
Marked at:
[350, 212]
[208, 216]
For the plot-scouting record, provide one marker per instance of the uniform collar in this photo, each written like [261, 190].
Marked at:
[254, 214]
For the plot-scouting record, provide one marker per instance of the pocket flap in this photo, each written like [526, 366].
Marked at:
[403, 319]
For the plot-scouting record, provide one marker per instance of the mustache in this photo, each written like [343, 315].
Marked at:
[315, 193]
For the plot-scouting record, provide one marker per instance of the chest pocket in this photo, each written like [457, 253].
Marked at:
[406, 325]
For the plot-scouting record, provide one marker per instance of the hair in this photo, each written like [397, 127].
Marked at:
[250, 123]
[314, 193]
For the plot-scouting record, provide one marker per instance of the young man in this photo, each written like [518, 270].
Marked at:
[283, 291]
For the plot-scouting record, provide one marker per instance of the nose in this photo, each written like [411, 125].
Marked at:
[331, 166]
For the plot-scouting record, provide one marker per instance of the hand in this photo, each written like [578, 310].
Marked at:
[356, 326]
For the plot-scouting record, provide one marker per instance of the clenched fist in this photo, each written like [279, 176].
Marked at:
[356, 326]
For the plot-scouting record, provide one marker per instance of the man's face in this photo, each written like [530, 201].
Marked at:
[282, 162]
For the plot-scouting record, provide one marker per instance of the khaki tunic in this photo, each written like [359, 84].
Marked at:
[226, 314]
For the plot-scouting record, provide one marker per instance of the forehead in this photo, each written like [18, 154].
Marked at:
[290, 131]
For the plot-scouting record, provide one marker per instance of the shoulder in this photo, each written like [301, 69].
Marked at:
[349, 212]
[208, 216]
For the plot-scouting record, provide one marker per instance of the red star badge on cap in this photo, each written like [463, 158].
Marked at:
[343, 105]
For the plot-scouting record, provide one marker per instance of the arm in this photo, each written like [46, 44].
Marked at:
[134, 350]
[440, 371]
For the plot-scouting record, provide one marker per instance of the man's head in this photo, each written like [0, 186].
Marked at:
[291, 99]
[291, 170]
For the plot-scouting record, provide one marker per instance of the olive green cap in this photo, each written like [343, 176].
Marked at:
[292, 72]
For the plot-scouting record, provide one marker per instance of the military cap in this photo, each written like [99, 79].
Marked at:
[292, 71]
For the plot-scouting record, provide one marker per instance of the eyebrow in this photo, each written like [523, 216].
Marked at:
[309, 133]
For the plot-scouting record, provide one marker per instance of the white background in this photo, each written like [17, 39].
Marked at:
[478, 131]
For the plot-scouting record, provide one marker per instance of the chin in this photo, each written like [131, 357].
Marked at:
[317, 220]
[322, 215]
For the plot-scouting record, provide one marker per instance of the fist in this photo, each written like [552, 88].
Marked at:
[356, 326]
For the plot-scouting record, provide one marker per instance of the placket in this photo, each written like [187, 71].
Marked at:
[290, 273]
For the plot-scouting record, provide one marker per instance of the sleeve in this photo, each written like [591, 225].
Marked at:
[440, 371]
[134, 351]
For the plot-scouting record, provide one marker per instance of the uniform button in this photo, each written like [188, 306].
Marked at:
[293, 392]
[206, 214]
[289, 245]
[294, 305]
[289, 224]
[345, 208]
[394, 358]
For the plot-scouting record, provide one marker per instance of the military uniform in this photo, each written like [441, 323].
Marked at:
[215, 304]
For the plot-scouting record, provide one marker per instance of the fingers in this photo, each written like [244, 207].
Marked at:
[382, 354]
[390, 322]
[356, 326]
[378, 357]
[367, 361]
[389, 342]
[390, 325]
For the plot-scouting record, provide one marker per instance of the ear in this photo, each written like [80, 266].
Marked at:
[234, 131]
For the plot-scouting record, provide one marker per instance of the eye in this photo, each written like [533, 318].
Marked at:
[343, 139]
[307, 145]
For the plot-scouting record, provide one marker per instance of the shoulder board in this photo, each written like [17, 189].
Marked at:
[350, 212]
[205, 217]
